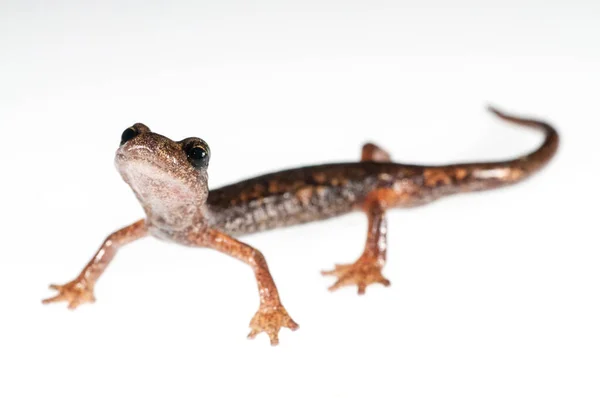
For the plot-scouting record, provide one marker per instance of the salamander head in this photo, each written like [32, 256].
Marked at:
[168, 177]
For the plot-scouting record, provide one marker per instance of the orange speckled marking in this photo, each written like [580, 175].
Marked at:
[304, 195]
[436, 177]
[273, 187]
[461, 173]
[320, 178]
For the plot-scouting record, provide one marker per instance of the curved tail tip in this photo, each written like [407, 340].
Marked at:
[495, 111]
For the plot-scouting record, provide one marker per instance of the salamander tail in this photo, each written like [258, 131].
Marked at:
[469, 177]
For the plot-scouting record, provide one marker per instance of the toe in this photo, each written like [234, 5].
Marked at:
[335, 286]
[362, 287]
[253, 334]
[52, 299]
[273, 337]
[292, 325]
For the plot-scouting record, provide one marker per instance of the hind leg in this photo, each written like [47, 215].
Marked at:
[373, 153]
[367, 269]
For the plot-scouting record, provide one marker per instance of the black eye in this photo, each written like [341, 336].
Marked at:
[198, 156]
[128, 135]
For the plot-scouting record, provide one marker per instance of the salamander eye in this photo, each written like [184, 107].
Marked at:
[128, 134]
[198, 154]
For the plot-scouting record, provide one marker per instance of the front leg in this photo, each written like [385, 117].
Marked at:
[271, 315]
[81, 289]
[367, 269]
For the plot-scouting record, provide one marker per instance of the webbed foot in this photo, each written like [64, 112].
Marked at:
[270, 320]
[365, 271]
[75, 293]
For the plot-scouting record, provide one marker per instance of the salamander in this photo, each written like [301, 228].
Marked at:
[170, 180]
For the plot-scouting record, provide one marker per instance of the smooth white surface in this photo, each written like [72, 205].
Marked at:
[493, 295]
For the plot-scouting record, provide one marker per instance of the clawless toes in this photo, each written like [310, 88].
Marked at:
[367, 269]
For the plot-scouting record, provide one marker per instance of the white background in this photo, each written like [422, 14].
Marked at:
[493, 294]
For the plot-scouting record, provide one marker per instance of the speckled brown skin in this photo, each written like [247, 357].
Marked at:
[173, 190]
